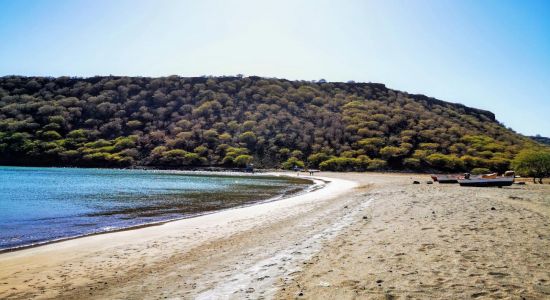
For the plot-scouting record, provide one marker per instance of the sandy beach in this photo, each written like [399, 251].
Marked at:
[363, 236]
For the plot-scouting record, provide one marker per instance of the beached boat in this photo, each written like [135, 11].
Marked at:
[445, 178]
[453, 178]
[487, 182]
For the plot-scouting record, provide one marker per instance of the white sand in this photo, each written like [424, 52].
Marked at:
[70, 268]
[363, 236]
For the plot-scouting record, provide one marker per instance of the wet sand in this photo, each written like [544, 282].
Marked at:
[206, 256]
[363, 236]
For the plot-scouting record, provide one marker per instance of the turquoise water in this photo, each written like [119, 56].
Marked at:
[43, 204]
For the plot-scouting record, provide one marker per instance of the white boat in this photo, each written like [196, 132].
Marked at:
[486, 182]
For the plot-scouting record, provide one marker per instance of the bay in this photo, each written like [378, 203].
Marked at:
[39, 205]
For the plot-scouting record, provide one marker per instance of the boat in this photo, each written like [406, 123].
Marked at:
[481, 182]
[445, 178]
[487, 182]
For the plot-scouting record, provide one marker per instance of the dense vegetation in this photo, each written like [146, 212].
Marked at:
[181, 122]
[541, 139]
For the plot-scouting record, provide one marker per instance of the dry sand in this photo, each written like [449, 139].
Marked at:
[363, 236]
[436, 242]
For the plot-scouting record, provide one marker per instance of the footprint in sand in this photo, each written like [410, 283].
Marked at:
[425, 247]
[477, 295]
[498, 274]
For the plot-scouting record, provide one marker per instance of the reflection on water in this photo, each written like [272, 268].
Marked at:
[44, 204]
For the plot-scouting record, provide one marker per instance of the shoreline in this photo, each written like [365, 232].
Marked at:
[315, 184]
[44, 261]
[365, 235]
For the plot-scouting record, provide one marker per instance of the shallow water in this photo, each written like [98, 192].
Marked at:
[43, 204]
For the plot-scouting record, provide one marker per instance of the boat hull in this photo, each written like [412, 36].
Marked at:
[480, 182]
[445, 178]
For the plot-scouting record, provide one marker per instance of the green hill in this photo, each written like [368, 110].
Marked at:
[179, 122]
[541, 139]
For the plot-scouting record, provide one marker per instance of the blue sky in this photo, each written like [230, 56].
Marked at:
[488, 54]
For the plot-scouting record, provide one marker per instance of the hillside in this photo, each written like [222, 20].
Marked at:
[177, 122]
[541, 139]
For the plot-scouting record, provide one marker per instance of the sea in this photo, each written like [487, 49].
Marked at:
[41, 205]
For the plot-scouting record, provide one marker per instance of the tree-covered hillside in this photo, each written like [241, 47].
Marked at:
[181, 122]
[541, 139]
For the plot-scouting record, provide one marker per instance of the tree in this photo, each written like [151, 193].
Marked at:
[231, 154]
[292, 162]
[248, 137]
[411, 162]
[242, 160]
[444, 162]
[376, 164]
[391, 151]
[342, 164]
[535, 163]
[51, 135]
[317, 158]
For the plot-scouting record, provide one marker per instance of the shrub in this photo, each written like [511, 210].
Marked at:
[248, 137]
[391, 151]
[242, 160]
[531, 162]
[442, 161]
[412, 162]
[315, 159]
[342, 164]
[292, 162]
[377, 164]
[51, 135]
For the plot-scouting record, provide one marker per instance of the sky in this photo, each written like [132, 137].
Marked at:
[488, 54]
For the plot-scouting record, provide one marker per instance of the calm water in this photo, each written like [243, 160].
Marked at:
[43, 204]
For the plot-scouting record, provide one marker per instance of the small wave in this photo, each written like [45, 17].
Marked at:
[108, 228]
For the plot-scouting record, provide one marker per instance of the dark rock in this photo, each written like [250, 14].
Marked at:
[365, 217]
[429, 182]
[416, 182]
[492, 208]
